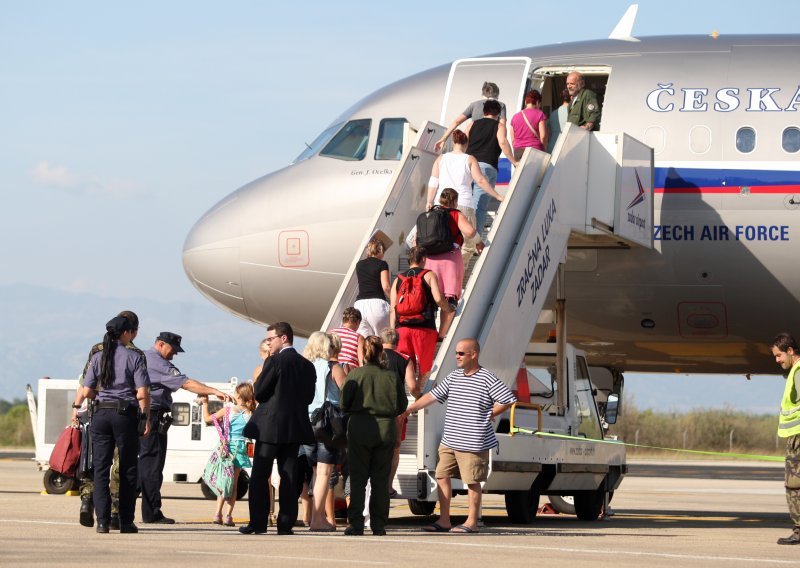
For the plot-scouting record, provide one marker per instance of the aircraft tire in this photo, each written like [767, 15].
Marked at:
[589, 504]
[522, 506]
[57, 483]
[423, 508]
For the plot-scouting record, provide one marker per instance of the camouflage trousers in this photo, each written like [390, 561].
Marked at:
[87, 485]
[793, 478]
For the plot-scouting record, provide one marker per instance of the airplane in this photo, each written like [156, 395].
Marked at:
[721, 114]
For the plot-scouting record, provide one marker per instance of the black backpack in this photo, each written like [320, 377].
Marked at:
[433, 231]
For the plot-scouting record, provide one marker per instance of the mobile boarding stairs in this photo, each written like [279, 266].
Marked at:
[595, 190]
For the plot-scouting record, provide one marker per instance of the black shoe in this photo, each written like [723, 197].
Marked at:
[286, 532]
[249, 529]
[129, 529]
[378, 532]
[160, 519]
[87, 512]
[102, 529]
[793, 538]
[352, 531]
[114, 524]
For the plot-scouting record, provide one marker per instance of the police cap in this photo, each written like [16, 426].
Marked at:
[173, 339]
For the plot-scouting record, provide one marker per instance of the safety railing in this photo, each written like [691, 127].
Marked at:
[513, 428]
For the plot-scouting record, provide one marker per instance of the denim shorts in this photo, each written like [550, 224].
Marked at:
[320, 453]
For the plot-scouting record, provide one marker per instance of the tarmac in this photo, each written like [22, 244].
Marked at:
[666, 514]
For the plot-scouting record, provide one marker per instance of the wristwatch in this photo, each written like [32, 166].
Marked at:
[76, 405]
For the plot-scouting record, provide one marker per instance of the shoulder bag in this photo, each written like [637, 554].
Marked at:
[218, 473]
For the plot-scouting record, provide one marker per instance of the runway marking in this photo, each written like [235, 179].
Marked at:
[606, 551]
[271, 557]
[36, 522]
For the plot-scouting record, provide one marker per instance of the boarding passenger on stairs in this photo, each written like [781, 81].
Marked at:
[459, 170]
[529, 126]
[558, 120]
[787, 355]
[487, 140]
[449, 266]
[474, 397]
[165, 379]
[417, 326]
[352, 342]
[373, 289]
[584, 109]
[489, 92]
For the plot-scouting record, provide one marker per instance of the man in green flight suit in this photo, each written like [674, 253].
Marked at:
[787, 355]
[584, 110]
[86, 515]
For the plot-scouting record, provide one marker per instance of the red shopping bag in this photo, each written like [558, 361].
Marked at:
[67, 452]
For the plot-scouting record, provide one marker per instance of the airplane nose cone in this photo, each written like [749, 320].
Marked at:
[211, 256]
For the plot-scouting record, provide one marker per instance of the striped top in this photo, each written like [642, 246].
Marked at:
[349, 353]
[467, 423]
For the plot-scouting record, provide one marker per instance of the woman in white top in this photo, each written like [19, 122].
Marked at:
[457, 169]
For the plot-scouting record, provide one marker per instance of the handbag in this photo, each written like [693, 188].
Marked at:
[329, 423]
[219, 470]
[86, 463]
[67, 452]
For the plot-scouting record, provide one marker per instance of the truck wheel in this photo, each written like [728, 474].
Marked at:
[242, 485]
[424, 508]
[589, 504]
[564, 504]
[207, 493]
[57, 483]
[522, 506]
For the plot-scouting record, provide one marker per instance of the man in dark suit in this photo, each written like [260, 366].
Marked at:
[279, 425]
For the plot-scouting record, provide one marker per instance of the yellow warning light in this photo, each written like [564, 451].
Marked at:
[715, 34]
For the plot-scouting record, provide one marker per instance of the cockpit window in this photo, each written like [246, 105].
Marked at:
[350, 143]
[390, 139]
[321, 140]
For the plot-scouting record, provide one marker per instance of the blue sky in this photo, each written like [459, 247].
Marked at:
[122, 123]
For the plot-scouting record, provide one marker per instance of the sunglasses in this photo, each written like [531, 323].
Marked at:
[462, 353]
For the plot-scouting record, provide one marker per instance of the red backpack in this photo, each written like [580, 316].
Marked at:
[412, 300]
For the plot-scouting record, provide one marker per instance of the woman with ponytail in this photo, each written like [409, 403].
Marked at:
[373, 397]
[117, 378]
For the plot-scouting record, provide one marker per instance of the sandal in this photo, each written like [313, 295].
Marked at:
[229, 521]
[217, 519]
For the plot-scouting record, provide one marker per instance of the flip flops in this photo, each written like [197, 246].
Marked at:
[435, 528]
[464, 530]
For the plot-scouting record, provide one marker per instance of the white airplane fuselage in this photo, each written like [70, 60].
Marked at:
[723, 117]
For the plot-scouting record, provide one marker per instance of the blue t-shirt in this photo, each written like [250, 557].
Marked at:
[130, 373]
[165, 379]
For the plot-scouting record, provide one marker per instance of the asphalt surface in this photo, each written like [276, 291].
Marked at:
[682, 519]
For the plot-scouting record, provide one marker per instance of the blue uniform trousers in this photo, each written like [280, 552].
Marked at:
[152, 455]
[110, 429]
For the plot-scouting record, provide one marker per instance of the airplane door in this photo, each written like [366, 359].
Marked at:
[468, 75]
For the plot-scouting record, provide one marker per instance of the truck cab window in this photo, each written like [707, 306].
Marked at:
[350, 143]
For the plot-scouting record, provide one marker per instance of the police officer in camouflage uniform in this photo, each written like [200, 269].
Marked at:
[787, 355]
[584, 109]
[81, 414]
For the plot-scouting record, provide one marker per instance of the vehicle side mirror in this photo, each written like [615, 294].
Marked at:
[612, 408]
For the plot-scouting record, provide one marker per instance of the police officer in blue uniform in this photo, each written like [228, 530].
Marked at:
[165, 379]
[117, 378]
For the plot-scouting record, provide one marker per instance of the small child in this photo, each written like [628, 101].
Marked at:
[239, 415]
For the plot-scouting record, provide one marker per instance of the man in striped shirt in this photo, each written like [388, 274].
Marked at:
[475, 396]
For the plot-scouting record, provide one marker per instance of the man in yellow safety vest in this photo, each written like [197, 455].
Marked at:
[787, 355]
